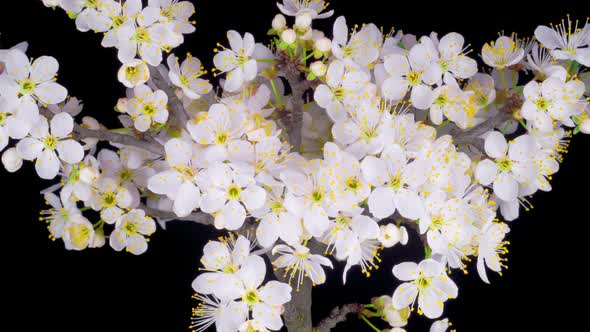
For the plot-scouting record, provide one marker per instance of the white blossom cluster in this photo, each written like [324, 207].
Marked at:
[321, 147]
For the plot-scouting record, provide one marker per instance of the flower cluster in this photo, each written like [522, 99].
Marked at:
[315, 150]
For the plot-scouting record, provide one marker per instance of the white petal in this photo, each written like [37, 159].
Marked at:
[506, 187]
[187, 199]
[47, 165]
[70, 151]
[486, 171]
[253, 197]
[62, 125]
[404, 295]
[275, 293]
[406, 271]
[381, 203]
[51, 93]
[495, 145]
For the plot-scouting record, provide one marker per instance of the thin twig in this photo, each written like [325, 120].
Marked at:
[165, 216]
[338, 315]
[104, 135]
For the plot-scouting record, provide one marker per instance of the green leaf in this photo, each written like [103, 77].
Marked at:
[427, 252]
[311, 77]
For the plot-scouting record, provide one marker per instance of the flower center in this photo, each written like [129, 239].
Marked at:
[221, 137]
[277, 207]
[441, 100]
[414, 78]
[149, 109]
[339, 93]
[504, 165]
[230, 268]
[130, 228]
[343, 221]
[27, 87]
[437, 223]
[317, 196]
[125, 175]
[184, 80]
[109, 199]
[79, 235]
[368, 134]
[130, 72]
[353, 183]
[542, 104]
[142, 35]
[50, 142]
[395, 182]
[234, 192]
[423, 282]
[118, 21]
[2, 118]
[251, 297]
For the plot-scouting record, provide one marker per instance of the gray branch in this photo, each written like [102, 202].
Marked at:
[175, 106]
[298, 87]
[105, 135]
[472, 136]
[338, 315]
[165, 216]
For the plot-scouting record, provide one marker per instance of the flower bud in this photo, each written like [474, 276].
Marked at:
[52, 3]
[318, 68]
[303, 21]
[585, 126]
[403, 236]
[99, 239]
[389, 235]
[11, 160]
[279, 23]
[323, 45]
[122, 105]
[289, 36]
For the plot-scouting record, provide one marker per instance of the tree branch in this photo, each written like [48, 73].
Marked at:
[175, 106]
[104, 135]
[298, 87]
[165, 216]
[338, 315]
[473, 135]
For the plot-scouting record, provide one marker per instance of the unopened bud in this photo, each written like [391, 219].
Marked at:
[279, 23]
[323, 45]
[122, 105]
[52, 3]
[303, 21]
[11, 160]
[318, 68]
[289, 36]
[585, 126]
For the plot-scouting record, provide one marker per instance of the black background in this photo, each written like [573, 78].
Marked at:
[45, 287]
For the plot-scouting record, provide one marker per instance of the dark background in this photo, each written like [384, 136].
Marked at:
[45, 287]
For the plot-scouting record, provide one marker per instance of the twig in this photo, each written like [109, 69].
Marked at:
[298, 87]
[473, 135]
[338, 315]
[175, 106]
[104, 135]
[165, 216]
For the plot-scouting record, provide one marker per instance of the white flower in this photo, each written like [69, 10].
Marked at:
[222, 260]
[145, 37]
[299, 263]
[32, 81]
[227, 316]
[348, 183]
[502, 53]
[312, 7]
[79, 233]
[17, 116]
[279, 22]
[365, 132]
[512, 164]
[78, 180]
[237, 61]
[554, 99]
[289, 36]
[134, 73]
[266, 301]
[417, 71]
[216, 129]
[43, 144]
[147, 107]
[566, 42]
[92, 14]
[178, 182]
[276, 221]
[343, 85]
[540, 62]
[111, 199]
[252, 326]
[452, 59]
[177, 13]
[396, 181]
[226, 189]
[362, 48]
[318, 68]
[426, 281]
[119, 16]
[491, 246]
[187, 76]
[130, 230]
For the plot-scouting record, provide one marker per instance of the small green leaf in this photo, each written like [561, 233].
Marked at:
[311, 77]
[427, 252]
